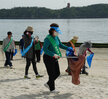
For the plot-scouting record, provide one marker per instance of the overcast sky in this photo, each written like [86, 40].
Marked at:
[53, 4]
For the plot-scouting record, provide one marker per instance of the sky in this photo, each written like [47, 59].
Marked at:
[52, 4]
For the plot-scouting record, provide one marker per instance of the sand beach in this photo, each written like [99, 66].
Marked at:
[94, 86]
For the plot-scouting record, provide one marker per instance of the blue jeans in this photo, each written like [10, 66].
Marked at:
[8, 61]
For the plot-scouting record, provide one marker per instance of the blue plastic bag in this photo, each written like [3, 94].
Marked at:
[89, 59]
[21, 51]
[69, 53]
[15, 52]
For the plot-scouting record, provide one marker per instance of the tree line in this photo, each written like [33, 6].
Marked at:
[92, 11]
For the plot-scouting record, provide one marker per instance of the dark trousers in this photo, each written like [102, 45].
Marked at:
[84, 67]
[28, 63]
[37, 52]
[11, 56]
[8, 61]
[53, 70]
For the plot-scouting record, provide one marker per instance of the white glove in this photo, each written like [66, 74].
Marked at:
[56, 56]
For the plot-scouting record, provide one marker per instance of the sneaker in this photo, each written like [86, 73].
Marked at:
[84, 72]
[11, 67]
[69, 73]
[66, 70]
[47, 86]
[86, 67]
[38, 76]
[26, 77]
[55, 91]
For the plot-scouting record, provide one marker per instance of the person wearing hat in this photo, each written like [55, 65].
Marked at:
[30, 53]
[52, 54]
[71, 43]
[83, 51]
[38, 47]
[8, 47]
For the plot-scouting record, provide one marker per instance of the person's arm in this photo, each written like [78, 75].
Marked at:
[62, 45]
[45, 48]
[40, 44]
[13, 45]
[89, 50]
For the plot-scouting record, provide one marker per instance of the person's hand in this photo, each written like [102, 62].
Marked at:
[56, 56]
[70, 49]
[92, 53]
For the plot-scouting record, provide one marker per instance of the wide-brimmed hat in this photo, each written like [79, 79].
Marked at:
[75, 38]
[29, 29]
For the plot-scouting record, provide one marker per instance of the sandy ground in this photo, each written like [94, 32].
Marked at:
[95, 86]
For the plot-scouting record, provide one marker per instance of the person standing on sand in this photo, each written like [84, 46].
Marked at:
[38, 47]
[30, 54]
[52, 54]
[71, 43]
[83, 51]
[8, 47]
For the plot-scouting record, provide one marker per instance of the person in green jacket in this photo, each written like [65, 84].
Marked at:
[52, 54]
[38, 47]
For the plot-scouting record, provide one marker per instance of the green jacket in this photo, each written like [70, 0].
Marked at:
[37, 45]
[48, 48]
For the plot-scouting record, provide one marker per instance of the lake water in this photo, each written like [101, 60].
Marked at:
[95, 30]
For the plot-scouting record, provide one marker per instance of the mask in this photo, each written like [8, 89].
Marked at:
[55, 34]
[36, 39]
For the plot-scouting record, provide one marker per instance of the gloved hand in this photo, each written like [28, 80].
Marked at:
[70, 49]
[56, 56]
[69, 53]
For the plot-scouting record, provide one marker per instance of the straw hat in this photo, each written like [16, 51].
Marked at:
[75, 38]
[29, 28]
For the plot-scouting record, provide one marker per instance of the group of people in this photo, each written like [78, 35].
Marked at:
[31, 48]
[32, 56]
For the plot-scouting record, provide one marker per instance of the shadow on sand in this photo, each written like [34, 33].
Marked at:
[44, 95]
[10, 80]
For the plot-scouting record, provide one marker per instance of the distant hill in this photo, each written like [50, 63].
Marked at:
[92, 11]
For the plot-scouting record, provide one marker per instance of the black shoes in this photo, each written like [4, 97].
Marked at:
[84, 72]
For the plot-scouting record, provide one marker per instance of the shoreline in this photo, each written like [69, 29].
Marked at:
[95, 45]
